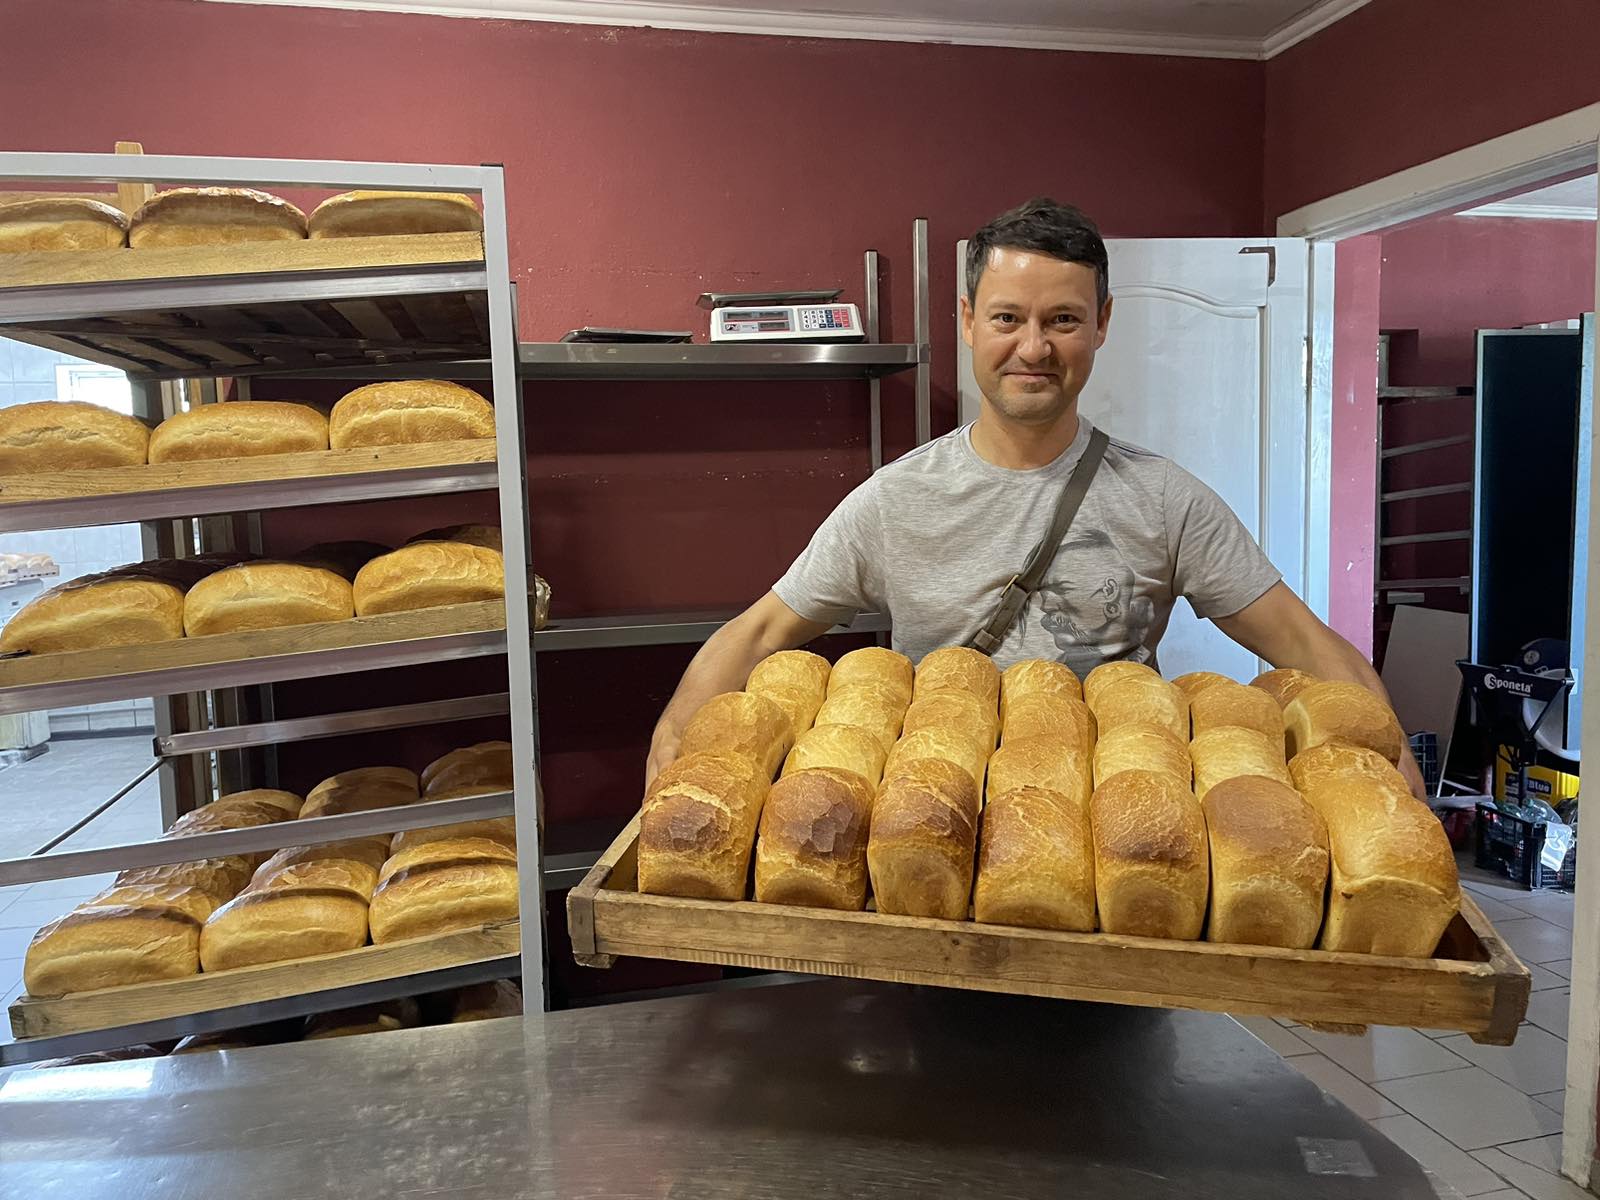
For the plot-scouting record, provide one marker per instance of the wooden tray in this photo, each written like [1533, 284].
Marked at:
[1476, 985]
[33, 1017]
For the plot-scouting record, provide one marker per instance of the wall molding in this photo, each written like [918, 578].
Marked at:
[780, 23]
[1533, 212]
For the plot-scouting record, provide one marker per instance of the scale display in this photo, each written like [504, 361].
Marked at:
[787, 323]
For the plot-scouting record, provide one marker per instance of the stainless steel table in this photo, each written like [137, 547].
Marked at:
[808, 1091]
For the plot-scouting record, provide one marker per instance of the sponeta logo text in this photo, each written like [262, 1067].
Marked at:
[1495, 683]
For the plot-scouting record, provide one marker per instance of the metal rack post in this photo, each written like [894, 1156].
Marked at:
[919, 243]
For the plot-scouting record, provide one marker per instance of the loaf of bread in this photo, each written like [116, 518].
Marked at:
[796, 681]
[392, 214]
[486, 1001]
[409, 411]
[1269, 864]
[1230, 752]
[952, 745]
[1195, 682]
[961, 669]
[226, 876]
[923, 841]
[1049, 763]
[1394, 883]
[240, 810]
[469, 771]
[265, 595]
[238, 429]
[361, 790]
[68, 435]
[1035, 862]
[214, 216]
[1228, 703]
[1283, 684]
[383, 1017]
[1141, 748]
[430, 573]
[1050, 715]
[812, 849]
[1345, 712]
[442, 886]
[129, 606]
[1151, 862]
[961, 712]
[698, 826]
[134, 933]
[64, 223]
[1034, 677]
[846, 747]
[1109, 673]
[877, 708]
[1141, 700]
[741, 723]
[875, 665]
[302, 901]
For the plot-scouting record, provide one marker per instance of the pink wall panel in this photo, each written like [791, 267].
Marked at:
[1355, 429]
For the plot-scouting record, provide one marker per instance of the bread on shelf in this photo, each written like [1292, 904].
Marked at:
[1037, 676]
[214, 216]
[430, 572]
[1144, 748]
[61, 223]
[812, 848]
[1232, 751]
[129, 606]
[875, 665]
[265, 595]
[740, 723]
[1269, 864]
[923, 841]
[443, 886]
[1036, 862]
[877, 708]
[469, 771]
[407, 412]
[847, 747]
[361, 790]
[961, 669]
[393, 214]
[697, 828]
[1049, 763]
[69, 435]
[1283, 684]
[238, 429]
[1151, 860]
[133, 933]
[1345, 712]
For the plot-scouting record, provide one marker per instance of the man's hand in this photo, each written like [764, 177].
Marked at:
[1281, 629]
[663, 749]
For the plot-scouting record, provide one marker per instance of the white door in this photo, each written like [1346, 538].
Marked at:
[1206, 363]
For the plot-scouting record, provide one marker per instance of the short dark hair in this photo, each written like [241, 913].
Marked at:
[1041, 224]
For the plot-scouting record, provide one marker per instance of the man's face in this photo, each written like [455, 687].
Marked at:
[1033, 329]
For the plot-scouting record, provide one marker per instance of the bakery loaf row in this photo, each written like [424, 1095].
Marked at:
[167, 922]
[158, 601]
[70, 435]
[217, 216]
[1098, 809]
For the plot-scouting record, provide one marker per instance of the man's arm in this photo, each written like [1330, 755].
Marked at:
[1281, 629]
[723, 664]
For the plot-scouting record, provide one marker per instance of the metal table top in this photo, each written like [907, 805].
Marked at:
[808, 1091]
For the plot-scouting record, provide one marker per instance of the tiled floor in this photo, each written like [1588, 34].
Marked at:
[1486, 1120]
[40, 798]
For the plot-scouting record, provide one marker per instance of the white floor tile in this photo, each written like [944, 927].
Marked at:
[1472, 1108]
[1555, 907]
[1543, 977]
[1561, 967]
[1534, 939]
[1556, 1099]
[1496, 888]
[1544, 1153]
[1344, 1087]
[1549, 1010]
[1498, 909]
[1448, 1163]
[1383, 1052]
[1536, 1062]
[1504, 1194]
[1536, 1184]
[1267, 1030]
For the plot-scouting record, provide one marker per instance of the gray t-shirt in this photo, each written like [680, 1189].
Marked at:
[932, 538]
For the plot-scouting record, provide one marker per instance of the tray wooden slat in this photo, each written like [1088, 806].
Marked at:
[1483, 992]
[33, 1017]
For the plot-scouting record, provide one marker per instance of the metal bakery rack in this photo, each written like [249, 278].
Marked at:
[180, 320]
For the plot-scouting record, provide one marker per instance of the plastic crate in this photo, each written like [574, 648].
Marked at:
[1425, 749]
[1510, 845]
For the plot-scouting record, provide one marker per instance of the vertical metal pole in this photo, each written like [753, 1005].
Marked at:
[919, 247]
[512, 460]
[873, 385]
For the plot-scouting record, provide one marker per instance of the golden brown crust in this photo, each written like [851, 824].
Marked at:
[1229, 752]
[799, 670]
[131, 933]
[1141, 747]
[959, 711]
[1108, 673]
[1228, 703]
[214, 216]
[1035, 862]
[238, 429]
[923, 840]
[1151, 865]
[1195, 682]
[1346, 712]
[409, 411]
[1053, 764]
[361, 790]
[1052, 715]
[1140, 700]
[267, 595]
[485, 764]
[740, 723]
[68, 435]
[61, 223]
[958, 668]
[95, 613]
[1283, 684]
[847, 747]
[442, 886]
[877, 708]
[812, 849]
[1269, 864]
[698, 827]
[429, 575]
[875, 665]
[1037, 676]
[936, 741]
[393, 214]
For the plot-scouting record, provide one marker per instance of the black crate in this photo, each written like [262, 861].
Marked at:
[1425, 749]
[1510, 845]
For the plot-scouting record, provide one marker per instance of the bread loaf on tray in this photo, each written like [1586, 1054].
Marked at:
[68, 435]
[741, 723]
[1108, 673]
[1269, 864]
[1195, 682]
[1051, 764]
[877, 708]
[486, 1001]
[961, 669]
[1233, 704]
[1036, 862]
[1230, 752]
[847, 747]
[796, 681]
[698, 826]
[961, 712]
[1034, 677]
[1151, 861]
[1345, 712]
[1283, 684]
[61, 223]
[446, 566]
[1141, 700]
[876, 665]
[214, 216]
[238, 429]
[443, 886]
[1142, 748]
[266, 595]
[129, 606]
[361, 790]
[409, 411]
[812, 849]
[1043, 714]
[393, 214]
[469, 771]
[923, 840]
[952, 745]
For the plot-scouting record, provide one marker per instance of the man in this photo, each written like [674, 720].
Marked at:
[933, 538]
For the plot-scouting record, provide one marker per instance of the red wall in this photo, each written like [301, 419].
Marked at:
[1451, 276]
[1399, 82]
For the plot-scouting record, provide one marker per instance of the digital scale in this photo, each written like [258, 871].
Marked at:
[782, 317]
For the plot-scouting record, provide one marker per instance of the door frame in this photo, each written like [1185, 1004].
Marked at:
[1564, 145]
